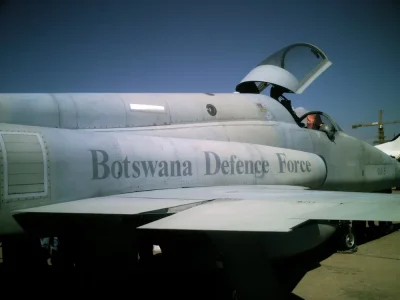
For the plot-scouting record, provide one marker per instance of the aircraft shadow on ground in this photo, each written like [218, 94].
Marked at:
[289, 273]
[374, 234]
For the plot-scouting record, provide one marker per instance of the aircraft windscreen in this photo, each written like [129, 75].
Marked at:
[299, 59]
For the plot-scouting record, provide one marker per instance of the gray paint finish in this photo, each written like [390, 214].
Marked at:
[245, 166]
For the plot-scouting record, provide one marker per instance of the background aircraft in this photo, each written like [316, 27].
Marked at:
[198, 174]
[391, 148]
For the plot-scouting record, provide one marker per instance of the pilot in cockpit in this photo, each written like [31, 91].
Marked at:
[314, 121]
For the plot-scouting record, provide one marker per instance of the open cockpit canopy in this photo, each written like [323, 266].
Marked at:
[293, 68]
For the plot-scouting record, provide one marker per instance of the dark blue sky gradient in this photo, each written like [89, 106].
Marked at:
[204, 46]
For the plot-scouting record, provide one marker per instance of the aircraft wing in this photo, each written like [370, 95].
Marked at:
[232, 208]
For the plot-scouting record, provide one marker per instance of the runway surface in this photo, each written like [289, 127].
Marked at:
[371, 273]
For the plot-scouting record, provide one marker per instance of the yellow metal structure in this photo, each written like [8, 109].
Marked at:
[380, 123]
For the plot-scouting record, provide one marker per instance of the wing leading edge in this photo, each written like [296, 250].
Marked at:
[235, 208]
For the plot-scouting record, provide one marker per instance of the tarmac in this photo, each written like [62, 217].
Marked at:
[371, 273]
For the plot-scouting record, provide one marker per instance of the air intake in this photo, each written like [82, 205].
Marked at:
[24, 165]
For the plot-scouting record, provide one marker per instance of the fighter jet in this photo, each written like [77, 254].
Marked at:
[238, 175]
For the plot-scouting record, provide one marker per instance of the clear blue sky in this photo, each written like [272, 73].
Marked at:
[204, 46]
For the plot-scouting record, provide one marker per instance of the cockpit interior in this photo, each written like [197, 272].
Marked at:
[291, 70]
